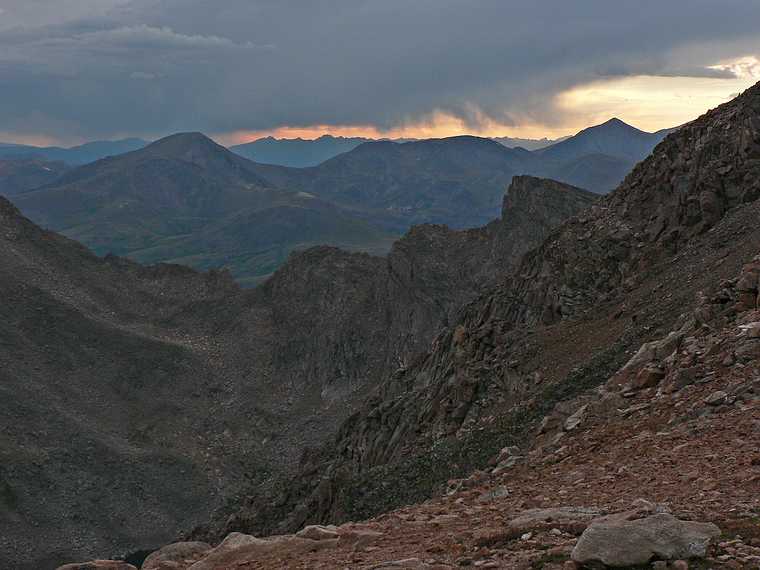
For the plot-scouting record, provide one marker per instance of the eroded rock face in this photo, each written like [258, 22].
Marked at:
[622, 544]
[358, 317]
[572, 313]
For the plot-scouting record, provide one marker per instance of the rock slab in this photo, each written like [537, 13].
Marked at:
[621, 543]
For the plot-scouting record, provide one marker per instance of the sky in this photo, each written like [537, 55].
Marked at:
[77, 70]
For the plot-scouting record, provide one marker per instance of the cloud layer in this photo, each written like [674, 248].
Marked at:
[98, 68]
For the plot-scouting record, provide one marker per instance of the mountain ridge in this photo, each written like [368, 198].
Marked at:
[74, 156]
[169, 200]
[147, 202]
[563, 322]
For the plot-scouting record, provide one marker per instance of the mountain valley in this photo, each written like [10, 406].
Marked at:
[257, 376]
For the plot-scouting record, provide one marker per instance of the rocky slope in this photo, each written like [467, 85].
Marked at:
[570, 315]
[655, 468]
[168, 393]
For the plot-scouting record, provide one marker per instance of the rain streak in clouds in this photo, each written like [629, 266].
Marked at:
[75, 69]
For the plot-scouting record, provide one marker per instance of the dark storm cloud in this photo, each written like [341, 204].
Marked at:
[75, 68]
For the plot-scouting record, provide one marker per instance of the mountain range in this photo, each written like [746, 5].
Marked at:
[76, 155]
[297, 153]
[300, 153]
[185, 199]
[574, 383]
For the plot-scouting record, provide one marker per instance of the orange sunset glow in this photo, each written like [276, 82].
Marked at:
[650, 103]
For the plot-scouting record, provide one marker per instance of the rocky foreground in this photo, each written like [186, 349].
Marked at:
[657, 468]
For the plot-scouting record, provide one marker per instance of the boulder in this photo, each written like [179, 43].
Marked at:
[623, 543]
[655, 351]
[98, 565]
[177, 556]
[648, 377]
[240, 548]
[576, 419]
[716, 398]
[318, 532]
[569, 519]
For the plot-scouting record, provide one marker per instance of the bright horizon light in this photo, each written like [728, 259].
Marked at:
[649, 103]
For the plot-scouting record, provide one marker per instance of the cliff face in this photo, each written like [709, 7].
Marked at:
[168, 393]
[570, 315]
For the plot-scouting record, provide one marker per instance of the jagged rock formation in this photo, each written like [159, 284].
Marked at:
[571, 314]
[168, 393]
[658, 476]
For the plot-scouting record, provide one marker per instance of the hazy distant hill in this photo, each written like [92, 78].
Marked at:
[301, 153]
[459, 181]
[185, 198]
[613, 138]
[297, 152]
[82, 154]
[17, 175]
[527, 144]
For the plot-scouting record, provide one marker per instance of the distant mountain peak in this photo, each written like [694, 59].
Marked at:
[194, 138]
[614, 125]
[186, 146]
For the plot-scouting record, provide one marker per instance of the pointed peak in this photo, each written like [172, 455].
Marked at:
[616, 124]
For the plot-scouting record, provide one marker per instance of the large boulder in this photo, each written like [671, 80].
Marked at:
[620, 543]
[318, 532]
[569, 519]
[177, 556]
[240, 548]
